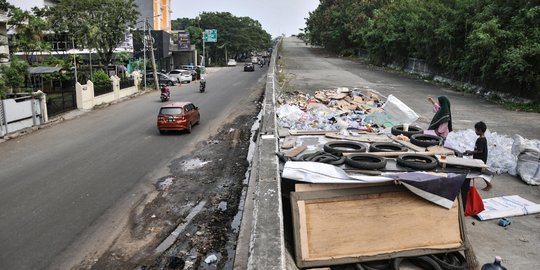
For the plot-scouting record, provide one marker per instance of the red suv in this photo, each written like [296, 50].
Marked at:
[178, 116]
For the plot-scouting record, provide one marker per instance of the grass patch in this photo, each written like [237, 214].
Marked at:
[520, 107]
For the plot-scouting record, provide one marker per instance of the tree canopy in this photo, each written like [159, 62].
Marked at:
[495, 43]
[236, 35]
[98, 24]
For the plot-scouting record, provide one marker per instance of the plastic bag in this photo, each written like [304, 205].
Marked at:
[528, 159]
[474, 204]
[398, 112]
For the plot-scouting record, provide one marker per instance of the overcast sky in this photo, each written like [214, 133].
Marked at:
[276, 16]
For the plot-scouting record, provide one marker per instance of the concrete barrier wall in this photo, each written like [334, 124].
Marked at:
[85, 93]
[260, 242]
[21, 113]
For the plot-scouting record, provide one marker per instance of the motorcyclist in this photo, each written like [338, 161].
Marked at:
[203, 84]
[165, 90]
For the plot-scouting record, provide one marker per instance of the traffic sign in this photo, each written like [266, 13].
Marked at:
[210, 35]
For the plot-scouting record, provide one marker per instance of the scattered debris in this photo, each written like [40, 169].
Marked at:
[222, 206]
[210, 259]
[503, 222]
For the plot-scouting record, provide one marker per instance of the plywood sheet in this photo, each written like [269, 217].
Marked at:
[345, 225]
[296, 151]
[457, 161]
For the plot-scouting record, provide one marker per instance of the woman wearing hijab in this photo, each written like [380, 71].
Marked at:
[442, 120]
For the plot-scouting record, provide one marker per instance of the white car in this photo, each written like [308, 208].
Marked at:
[231, 62]
[181, 75]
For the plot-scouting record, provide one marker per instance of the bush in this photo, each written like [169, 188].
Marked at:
[100, 78]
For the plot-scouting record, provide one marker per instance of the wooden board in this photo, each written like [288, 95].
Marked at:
[411, 146]
[457, 161]
[316, 187]
[395, 154]
[340, 226]
[309, 132]
[295, 151]
[369, 138]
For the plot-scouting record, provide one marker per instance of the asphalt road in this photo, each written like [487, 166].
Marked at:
[312, 69]
[60, 185]
[309, 69]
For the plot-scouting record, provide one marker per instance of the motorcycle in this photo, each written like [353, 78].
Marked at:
[164, 97]
[202, 86]
[165, 94]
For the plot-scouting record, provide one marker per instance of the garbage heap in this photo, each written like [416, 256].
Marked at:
[341, 109]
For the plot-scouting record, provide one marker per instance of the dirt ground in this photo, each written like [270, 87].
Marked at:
[215, 173]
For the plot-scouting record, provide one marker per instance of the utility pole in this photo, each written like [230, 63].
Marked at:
[74, 60]
[144, 46]
[156, 81]
[203, 62]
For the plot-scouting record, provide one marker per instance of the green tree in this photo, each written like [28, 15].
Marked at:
[30, 30]
[14, 75]
[98, 24]
[181, 23]
[236, 35]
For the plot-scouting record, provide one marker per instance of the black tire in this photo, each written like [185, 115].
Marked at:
[374, 265]
[424, 262]
[365, 161]
[398, 130]
[450, 261]
[190, 127]
[426, 140]
[416, 161]
[340, 147]
[161, 132]
[170, 83]
[387, 147]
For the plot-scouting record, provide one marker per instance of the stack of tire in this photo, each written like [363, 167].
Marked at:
[444, 261]
[416, 136]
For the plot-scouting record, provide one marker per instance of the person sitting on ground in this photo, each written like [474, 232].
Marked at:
[480, 148]
[442, 120]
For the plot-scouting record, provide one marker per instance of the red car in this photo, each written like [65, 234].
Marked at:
[178, 116]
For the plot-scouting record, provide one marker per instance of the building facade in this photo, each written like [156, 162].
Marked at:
[158, 13]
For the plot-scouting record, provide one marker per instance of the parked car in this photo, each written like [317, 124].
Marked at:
[231, 62]
[187, 67]
[249, 67]
[178, 116]
[163, 79]
[181, 75]
[254, 60]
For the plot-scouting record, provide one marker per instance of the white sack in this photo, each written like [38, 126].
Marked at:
[398, 112]
[528, 159]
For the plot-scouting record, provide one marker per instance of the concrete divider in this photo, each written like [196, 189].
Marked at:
[260, 242]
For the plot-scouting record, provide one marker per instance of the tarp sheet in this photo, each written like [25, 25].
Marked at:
[507, 206]
[441, 189]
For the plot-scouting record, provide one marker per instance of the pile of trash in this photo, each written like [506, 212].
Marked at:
[500, 158]
[515, 156]
[339, 109]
